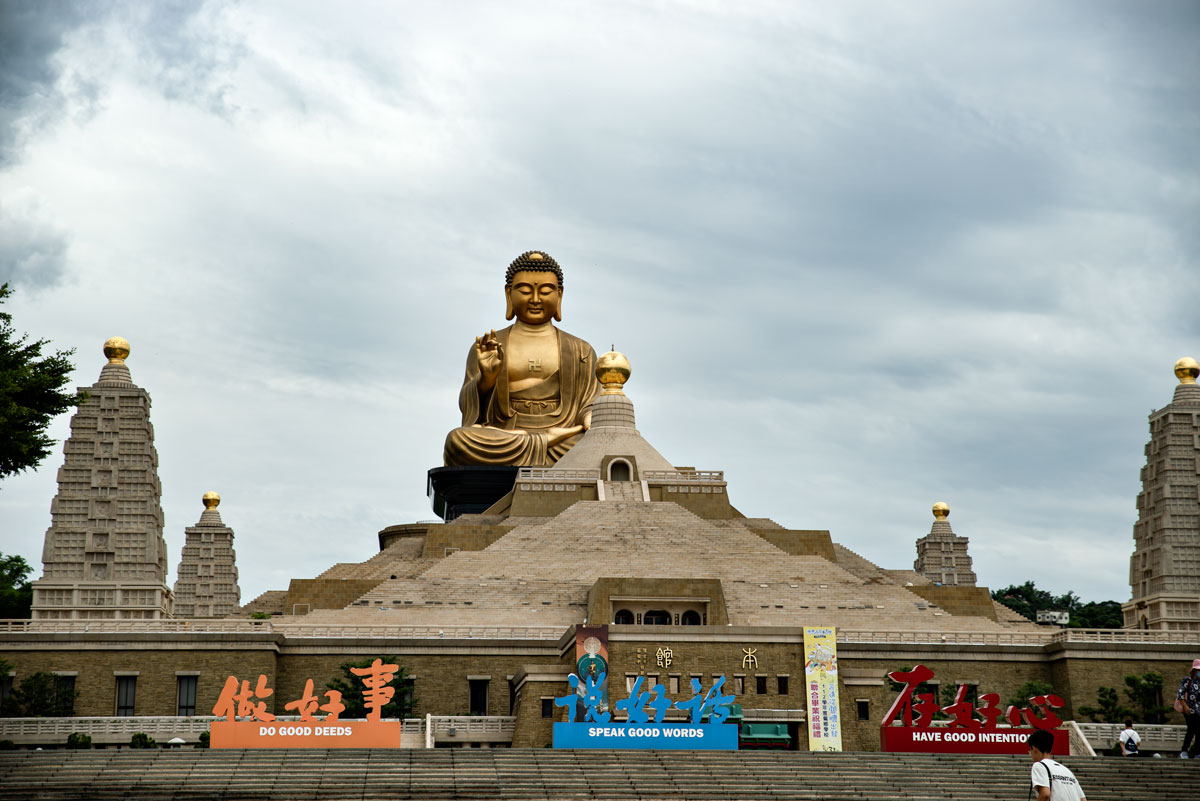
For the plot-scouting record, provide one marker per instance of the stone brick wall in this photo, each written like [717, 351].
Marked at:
[441, 669]
[600, 606]
[463, 537]
[958, 600]
[708, 505]
[536, 682]
[799, 542]
[326, 593]
[156, 680]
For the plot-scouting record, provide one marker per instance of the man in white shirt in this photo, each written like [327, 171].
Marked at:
[1052, 780]
[1130, 740]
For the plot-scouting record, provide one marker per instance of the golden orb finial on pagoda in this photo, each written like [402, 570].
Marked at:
[941, 510]
[612, 369]
[116, 349]
[1186, 369]
[211, 500]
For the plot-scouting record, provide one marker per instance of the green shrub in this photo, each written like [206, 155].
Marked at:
[203, 740]
[78, 740]
[142, 740]
[7, 745]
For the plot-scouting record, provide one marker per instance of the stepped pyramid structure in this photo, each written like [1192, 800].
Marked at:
[1164, 571]
[104, 555]
[942, 555]
[613, 533]
[206, 584]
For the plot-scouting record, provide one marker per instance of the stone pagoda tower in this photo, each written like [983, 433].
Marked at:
[207, 583]
[1164, 571]
[942, 555]
[104, 556]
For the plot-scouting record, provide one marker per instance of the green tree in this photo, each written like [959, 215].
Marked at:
[16, 591]
[30, 395]
[41, 695]
[142, 740]
[1024, 599]
[1145, 693]
[1027, 600]
[351, 687]
[1108, 707]
[1098, 615]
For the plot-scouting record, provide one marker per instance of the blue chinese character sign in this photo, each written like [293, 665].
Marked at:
[598, 730]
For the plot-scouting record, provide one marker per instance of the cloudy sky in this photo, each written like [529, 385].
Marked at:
[862, 256]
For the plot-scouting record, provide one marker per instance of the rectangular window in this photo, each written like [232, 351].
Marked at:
[760, 685]
[479, 696]
[406, 695]
[126, 691]
[783, 684]
[864, 709]
[64, 689]
[548, 707]
[6, 683]
[185, 704]
[673, 685]
[739, 685]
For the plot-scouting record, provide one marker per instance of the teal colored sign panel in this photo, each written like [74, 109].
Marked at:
[663, 736]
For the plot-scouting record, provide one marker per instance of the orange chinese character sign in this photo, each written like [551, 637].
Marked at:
[262, 730]
[376, 677]
[232, 701]
[307, 704]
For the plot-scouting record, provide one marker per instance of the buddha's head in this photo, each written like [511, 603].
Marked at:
[533, 288]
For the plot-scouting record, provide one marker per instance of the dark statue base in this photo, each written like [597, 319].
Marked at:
[468, 490]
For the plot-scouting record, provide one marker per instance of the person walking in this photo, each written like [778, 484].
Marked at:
[1129, 740]
[1187, 701]
[1052, 780]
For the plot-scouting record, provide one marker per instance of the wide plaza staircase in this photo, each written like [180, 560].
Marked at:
[542, 774]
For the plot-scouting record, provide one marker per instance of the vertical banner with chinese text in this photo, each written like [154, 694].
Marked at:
[591, 659]
[821, 688]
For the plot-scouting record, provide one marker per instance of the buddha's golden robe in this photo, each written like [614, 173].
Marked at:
[499, 428]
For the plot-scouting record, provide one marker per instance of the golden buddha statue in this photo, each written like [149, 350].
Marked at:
[528, 392]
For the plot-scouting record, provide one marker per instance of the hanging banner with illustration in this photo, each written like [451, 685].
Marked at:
[591, 660]
[260, 728]
[963, 732]
[821, 688]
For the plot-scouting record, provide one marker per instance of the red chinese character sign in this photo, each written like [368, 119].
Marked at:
[259, 728]
[908, 724]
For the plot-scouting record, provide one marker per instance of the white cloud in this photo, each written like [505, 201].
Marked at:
[862, 257]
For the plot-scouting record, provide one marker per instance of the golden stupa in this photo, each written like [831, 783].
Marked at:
[1187, 369]
[116, 349]
[612, 370]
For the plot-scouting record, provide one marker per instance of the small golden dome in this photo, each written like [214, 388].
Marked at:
[1186, 369]
[116, 349]
[941, 510]
[535, 256]
[211, 500]
[613, 371]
